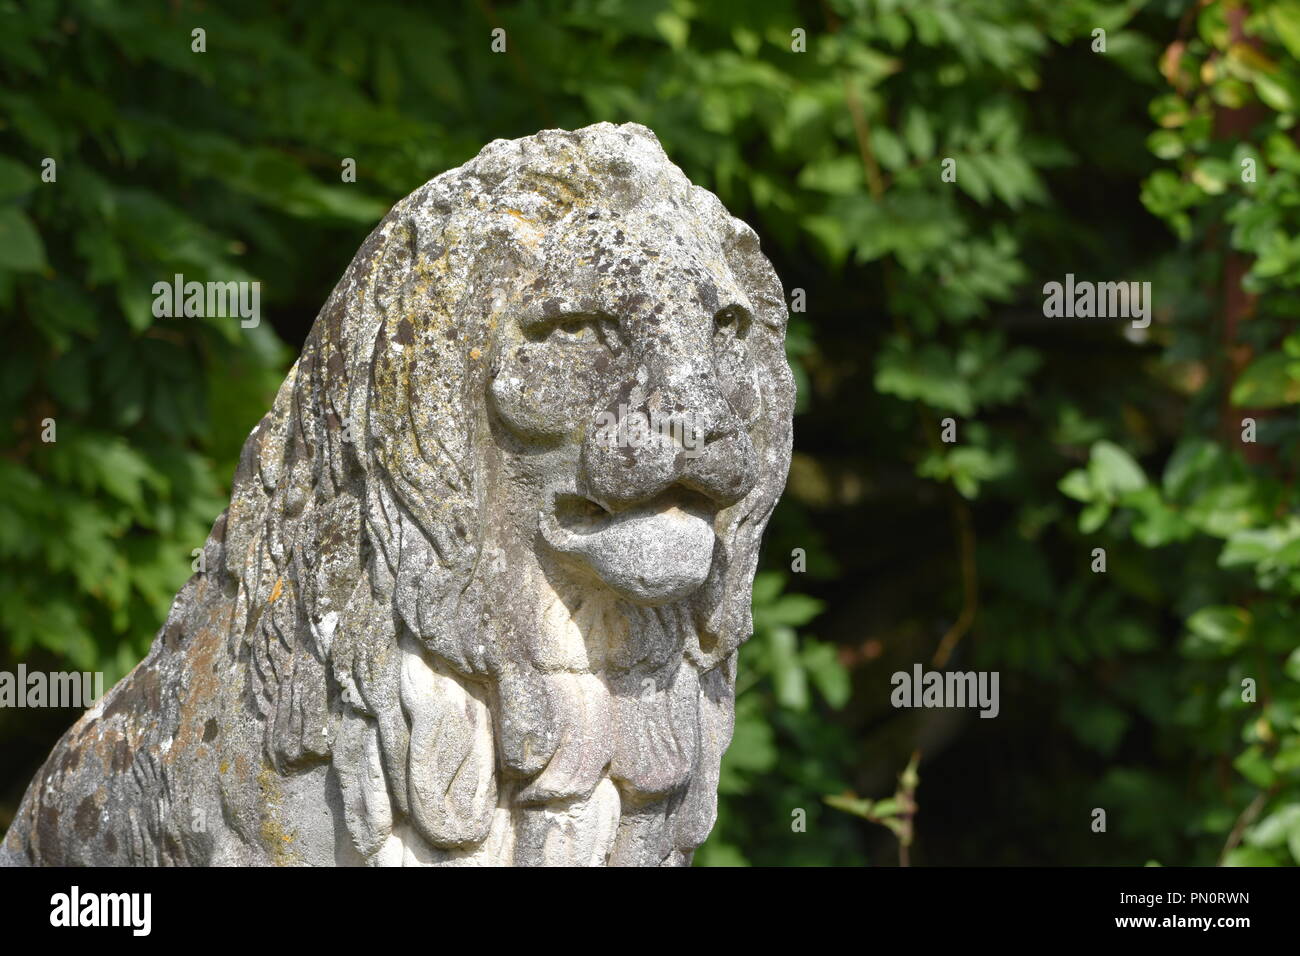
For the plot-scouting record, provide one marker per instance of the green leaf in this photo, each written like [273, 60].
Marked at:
[1220, 629]
[1292, 666]
[1076, 485]
[1268, 382]
[15, 179]
[1093, 516]
[889, 150]
[1249, 856]
[821, 661]
[1113, 470]
[788, 677]
[1252, 764]
[928, 374]
[21, 249]
[1274, 829]
[918, 134]
[793, 610]
[767, 585]
[837, 175]
[1274, 91]
[1212, 175]
[854, 805]
[753, 746]
[1284, 17]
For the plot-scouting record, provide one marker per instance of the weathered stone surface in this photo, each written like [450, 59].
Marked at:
[446, 619]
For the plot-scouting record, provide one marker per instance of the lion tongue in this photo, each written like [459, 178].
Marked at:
[648, 556]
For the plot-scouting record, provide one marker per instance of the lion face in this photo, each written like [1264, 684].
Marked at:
[626, 394]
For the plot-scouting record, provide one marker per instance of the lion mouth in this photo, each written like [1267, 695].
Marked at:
[652, 554]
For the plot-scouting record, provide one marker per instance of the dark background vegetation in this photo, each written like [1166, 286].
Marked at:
[1119, 690]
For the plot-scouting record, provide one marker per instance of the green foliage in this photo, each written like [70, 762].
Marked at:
[1219, 499]
[783, 752]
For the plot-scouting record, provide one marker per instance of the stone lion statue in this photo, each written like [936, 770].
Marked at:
[450, 616]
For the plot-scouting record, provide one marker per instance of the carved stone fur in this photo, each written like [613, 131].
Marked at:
[448, 618]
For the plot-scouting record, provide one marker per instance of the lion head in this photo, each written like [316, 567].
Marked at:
[514, 488]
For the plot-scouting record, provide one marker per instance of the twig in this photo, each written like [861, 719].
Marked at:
[1245, 819]
[969, 580]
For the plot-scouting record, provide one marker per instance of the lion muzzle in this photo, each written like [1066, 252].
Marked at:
[651, 555]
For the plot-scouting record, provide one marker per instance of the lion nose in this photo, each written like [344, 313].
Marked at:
[677, 429]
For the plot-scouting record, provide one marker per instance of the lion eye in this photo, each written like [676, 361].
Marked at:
[576, 330]
[730, 323]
